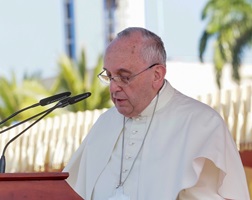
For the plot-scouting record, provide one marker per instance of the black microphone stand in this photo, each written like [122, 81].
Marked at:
[60, 104]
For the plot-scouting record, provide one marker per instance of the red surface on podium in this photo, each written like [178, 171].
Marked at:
[33, 186]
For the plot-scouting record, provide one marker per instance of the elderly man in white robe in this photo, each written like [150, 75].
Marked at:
[155, 143]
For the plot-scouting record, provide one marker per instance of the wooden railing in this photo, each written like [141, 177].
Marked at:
[48, 145]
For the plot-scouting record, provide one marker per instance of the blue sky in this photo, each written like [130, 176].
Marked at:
[32, 34]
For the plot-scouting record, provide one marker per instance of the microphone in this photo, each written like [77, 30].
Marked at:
[54, 98]
[62, 103]
[79, 97]
[42, 102]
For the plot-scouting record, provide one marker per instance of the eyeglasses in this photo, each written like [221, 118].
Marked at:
[120, 80]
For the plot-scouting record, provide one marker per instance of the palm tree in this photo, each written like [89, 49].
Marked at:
[76, 78]
[229, 23]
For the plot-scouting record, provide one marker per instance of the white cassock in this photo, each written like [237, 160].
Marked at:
[188, 153]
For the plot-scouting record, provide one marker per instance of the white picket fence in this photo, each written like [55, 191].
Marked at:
[235, 108]
[48, 145]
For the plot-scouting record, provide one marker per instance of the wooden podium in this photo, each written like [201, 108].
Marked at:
[33, 186]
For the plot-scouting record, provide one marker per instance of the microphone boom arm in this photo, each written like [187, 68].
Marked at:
[2, 160]
[14, 114]
[62, 103]
[17, 124]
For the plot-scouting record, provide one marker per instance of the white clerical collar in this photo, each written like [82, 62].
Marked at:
[165, 95]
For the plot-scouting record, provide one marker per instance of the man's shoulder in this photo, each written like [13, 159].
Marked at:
[190, 105]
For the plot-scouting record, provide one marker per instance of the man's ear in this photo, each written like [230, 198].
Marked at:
[159, 75]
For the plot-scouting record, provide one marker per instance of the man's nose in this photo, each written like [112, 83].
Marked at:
[114, 87]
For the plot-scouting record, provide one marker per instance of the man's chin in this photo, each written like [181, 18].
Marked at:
[123, 111]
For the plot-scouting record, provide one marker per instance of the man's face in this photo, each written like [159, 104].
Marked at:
[123, 59]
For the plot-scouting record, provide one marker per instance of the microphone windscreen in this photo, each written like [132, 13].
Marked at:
[79, 97]
[54, 98]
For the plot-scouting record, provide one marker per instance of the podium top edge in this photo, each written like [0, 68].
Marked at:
[33, 176]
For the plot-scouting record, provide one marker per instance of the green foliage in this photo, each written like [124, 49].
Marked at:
[76, 78]
[229, 24]
[72, 77]
[15, 96]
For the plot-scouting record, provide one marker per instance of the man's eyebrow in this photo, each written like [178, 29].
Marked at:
[120, 70]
